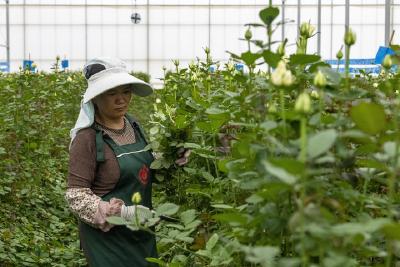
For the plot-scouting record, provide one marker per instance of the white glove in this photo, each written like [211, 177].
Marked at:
[129, 213]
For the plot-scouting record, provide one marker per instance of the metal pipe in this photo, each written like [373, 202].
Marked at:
[331, 30]
[209, 24]
[298, 18]
[8, 33]
[347, 23]
[387, 22]
[86, 32]
[24, 27]
[283, 20]
[347, 15]
[148, 37]
[319, 29]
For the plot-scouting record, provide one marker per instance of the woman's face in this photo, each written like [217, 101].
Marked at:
[114, 102]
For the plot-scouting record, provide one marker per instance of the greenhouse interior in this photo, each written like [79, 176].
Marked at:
[199, 133]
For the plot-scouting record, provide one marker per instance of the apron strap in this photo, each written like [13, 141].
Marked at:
[99, 146]
[135, 124]
[100, 140]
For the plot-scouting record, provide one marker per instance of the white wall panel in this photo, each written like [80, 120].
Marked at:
[157, 43]
[186, 42]
[200, 40]
[94, 45]
[77, 42]
[47, 15]
[94, 15]
[32, 15]
[33, 42]
[170, 43]
[178, 32]
[109, 41]
[47, 42]
[63, 41]
[124, 41]
[139, 37]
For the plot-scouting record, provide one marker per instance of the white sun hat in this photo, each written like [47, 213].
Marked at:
[103, 74]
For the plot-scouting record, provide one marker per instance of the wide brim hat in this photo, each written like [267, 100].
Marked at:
[103, 74]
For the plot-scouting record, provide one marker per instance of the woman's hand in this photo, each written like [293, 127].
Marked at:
[183, 154]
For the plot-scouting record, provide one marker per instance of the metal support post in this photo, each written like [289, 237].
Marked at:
[347, 21]
[319, 29]
[387, 22]
[8, 33]
[298, 18]
[283, 20]
[148, 37]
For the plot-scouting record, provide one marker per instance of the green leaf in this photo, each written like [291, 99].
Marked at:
[302, 59]
[156, 164]
[321, 142]
[167, 209]
[222, 165]
[214, 110]
[264, 255]
[154, 130]
[231, 218]
[271, 58]
[211, 126]
[280, 173]
[332, 76]
[268, 125]
[291, 165]
[369, 117]
[221, 206]
[116, 220]
[249, 58]
[267, 15]
[371, 163]
[181, 121]
[392, 231]
[212, 242]
[353, 228]
[208, 176]
[192, 145]
[188, 216]
[158, 261]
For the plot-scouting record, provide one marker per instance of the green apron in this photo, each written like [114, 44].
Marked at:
[121, 247]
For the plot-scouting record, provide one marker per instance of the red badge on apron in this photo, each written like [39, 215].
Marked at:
[144, 174]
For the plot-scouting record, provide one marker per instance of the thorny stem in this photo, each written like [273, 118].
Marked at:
[283, 115]
[347, 62]
[303, 158]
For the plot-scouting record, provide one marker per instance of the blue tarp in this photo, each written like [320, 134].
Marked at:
[4, 67]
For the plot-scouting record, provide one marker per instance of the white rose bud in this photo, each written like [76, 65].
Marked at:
[281, 49]
[158, 101]
[248, 34]
[339, 54]
[281, 76]
[306, 29]
[136, 198]
[272, 108]
[315, 94]
[387, 62]
[303, 103]
[350, 37]
[320, 79]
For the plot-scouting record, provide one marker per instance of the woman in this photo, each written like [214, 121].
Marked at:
[108, 164]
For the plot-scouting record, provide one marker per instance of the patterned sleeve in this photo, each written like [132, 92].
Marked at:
[91, 209]
[83, 203]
